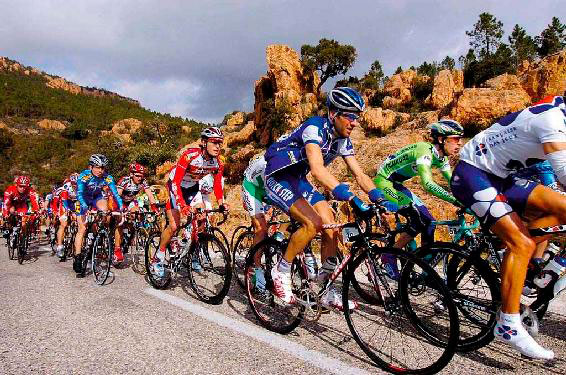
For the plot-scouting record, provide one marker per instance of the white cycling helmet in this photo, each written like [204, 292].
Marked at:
[212, 132]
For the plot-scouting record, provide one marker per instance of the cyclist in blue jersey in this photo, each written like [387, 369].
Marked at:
[91, 186]
[310, 148]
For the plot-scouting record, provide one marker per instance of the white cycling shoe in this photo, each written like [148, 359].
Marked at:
[510, 331]
[282, 287]
[332, 299]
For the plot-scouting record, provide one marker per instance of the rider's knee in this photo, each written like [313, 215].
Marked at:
[522, 246]
[314, 226]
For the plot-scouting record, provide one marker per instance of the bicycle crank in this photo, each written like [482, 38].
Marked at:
[311, 301]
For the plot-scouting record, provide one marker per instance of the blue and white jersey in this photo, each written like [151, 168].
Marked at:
[90, 187]
[540, 172]
[515, 141]
[289, 150]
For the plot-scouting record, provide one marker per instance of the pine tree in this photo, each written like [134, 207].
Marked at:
[486, 35]
[522, 46]
[552, 39]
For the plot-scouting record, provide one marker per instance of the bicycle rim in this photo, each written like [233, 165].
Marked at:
[210, 270]
[101, 258]
[272, 313]
[391, 332]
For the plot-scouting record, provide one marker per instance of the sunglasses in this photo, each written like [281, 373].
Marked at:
[350, 116]
[138, 175]
[216, 141]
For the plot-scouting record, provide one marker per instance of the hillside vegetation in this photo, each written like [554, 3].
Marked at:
[48, 155]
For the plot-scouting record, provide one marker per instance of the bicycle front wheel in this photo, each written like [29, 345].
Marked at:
[391, 332]
[210, 270]
[137, 251]
[23, 244]
[157, 279]
[239, 253]
[272, 313]
[101, 257]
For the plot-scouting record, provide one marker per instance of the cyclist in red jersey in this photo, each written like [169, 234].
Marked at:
[16, 198]
[183, 184]
[66, 198]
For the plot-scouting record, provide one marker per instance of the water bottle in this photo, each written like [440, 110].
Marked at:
[278, 236]
[89, 238]
[556, 266]
[310, 262]
[174, 245]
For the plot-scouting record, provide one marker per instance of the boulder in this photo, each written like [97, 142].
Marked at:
[481, 106]
[423, 119]
[390, 102]
[51, 125]
[504, 82]
[380, 121]
[285, 83]
[243, 136]
[236, 119]
[399, 85]
[124, 129]
[447, 83]
[544, 77]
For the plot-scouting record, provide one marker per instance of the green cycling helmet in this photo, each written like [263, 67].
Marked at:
[446, 128]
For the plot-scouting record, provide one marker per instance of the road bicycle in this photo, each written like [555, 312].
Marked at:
[400, 317]
[200, 252]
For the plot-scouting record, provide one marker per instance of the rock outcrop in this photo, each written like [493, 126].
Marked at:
[545, 77]
[243, 136]
[51, 125]
[447, 84]
[236, 119]
[284, 83]
[380, 121]
[398, 88]
[481, 106]
[124, 129]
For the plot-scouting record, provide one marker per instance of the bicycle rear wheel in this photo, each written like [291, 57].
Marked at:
[392, 332]
[211, 281]
[239, 253]
[236, 234]
[272, 313]
[23, 244]
[137, 251]
[474, 289]
[101, 257]
[151, 249]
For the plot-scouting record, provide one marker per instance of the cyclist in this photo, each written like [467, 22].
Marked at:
[310, 148]
[418, 159]
[483, 181]
[183, 185]
[91, 184]
[253, 196]
[129, 187]
[16, 199]
[67, 198]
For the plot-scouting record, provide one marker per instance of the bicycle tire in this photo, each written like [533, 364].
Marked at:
[239, 255]
[22, 246]
[406, 326]
[137, 251]
[478, 314]
[202, 251]
[221, 236]
[291, 315]
[151, 248]
[236, 234]
[101, 260]
[12, 249]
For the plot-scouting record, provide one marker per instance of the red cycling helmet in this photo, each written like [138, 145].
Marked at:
[22, 181]
[137, 168]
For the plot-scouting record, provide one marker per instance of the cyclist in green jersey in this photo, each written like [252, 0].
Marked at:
[418, 159]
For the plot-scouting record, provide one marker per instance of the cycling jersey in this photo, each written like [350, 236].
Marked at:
[13, 198]
[484, 178]
[185, 175]
[67, 195]
[417, 159]
[253, 186]
[515, 141]
[289, 150]
[90, 189]
[48, 200]
[129, 188]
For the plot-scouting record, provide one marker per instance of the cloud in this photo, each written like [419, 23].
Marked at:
[201, 58]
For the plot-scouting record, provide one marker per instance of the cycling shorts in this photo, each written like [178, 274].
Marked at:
[91, 202]
[188, 196]
[490, 197]
[284, 190]
[252, 198]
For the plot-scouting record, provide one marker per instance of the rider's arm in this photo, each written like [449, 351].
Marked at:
[150, 195]
[6, 206]
[362, 179]
[112, 186]
[219, 184]
[446, 170]
[318, 170]
[81, 187]
[34, 203]
[432, 187]
[556, 155]
[180, 170]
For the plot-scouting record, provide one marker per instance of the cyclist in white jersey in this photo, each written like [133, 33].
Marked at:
[483, 182]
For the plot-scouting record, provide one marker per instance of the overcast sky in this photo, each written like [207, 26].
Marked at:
[200, 58]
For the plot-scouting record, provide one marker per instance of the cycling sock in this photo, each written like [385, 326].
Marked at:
[510, 330]
[329, 265]
[284, 266]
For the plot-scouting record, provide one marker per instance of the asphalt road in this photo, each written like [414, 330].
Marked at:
[53, 323]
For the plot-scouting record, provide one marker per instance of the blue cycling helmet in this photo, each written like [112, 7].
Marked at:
[345, 99]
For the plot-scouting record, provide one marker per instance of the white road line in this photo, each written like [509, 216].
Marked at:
[313, 357]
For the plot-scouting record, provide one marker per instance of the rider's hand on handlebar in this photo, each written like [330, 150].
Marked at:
[187, 211]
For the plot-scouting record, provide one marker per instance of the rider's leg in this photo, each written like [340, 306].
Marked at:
[329, 236]
[174, 217]
[61, 230]
[81, 221]
[311, 224]
[260, 233]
